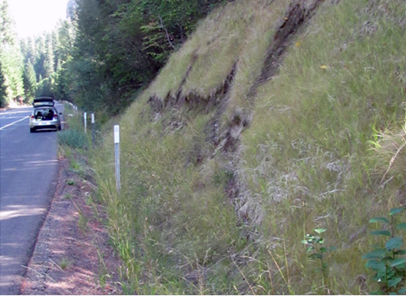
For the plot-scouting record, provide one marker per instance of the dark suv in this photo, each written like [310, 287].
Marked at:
[44, 115]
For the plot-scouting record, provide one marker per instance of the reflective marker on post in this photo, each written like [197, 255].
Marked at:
[85, 117]
[116, 134]
[117, 155]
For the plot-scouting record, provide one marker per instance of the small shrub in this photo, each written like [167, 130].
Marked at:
[387, 263]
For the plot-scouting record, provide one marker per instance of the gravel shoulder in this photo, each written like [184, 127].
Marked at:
[72, 254]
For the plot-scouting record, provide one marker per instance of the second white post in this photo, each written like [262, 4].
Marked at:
[117, 155]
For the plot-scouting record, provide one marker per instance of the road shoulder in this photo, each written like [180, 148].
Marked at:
[72, 254]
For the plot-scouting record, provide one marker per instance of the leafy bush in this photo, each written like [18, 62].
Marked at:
[389, 267]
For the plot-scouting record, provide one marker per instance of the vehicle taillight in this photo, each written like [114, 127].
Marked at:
[55, 115]
[32, 116]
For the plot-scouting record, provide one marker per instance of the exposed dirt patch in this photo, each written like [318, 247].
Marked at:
[298, 15]
[72, 254]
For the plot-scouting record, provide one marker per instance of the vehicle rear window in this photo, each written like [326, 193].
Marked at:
[44, 113]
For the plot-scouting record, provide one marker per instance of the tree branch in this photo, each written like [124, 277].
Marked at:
[161, 23]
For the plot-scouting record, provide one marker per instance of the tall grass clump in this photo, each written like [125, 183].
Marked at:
[73, 138]
[74, 135]
[307, 160]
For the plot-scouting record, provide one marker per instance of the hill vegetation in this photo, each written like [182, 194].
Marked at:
[273, 120]
[103, 53]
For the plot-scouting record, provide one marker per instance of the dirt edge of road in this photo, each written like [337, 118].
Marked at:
[72, 255]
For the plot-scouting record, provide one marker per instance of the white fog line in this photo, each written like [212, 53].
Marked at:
[3, 127]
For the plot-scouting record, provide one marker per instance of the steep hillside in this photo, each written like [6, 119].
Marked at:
[274, 119]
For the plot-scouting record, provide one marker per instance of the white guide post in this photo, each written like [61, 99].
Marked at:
[93, 131]
[117, 155]
[85, 119]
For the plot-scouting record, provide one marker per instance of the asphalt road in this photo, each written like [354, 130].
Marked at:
[28, 171]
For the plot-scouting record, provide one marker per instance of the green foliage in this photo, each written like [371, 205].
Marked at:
[73, 138]
[39, 48]
[10, 59]
[3, 90]
[7, 35]
[388, 262]
[119, 47]
[74, 135]
[46, 62]
[167, 23]
[65, 263]
[44, 88]
[29, 80]
[49, 57]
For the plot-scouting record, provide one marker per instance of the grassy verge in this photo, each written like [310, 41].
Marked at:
[165, 202]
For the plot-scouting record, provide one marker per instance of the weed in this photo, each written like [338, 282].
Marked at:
[64, 264]
[387, 263]
[67, 196]
[70, 182]
[83, 220]
[102, 269]
[317, 251]
[96, 214]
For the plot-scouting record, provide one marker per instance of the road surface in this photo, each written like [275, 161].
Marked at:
[28, 171]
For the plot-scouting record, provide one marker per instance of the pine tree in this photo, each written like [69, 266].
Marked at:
[30, 51]
[55, 48]
[39, 49]
[66, 39]
[10, 58]
[7, 35]
[3, 88]
[30, 80]
[49, 57]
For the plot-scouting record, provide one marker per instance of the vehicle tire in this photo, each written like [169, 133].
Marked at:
[32, 130]
[59, 127]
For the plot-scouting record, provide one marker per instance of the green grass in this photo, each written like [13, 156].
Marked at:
[309, 163]
[159, 224]
[318, 154]
[238, 34]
